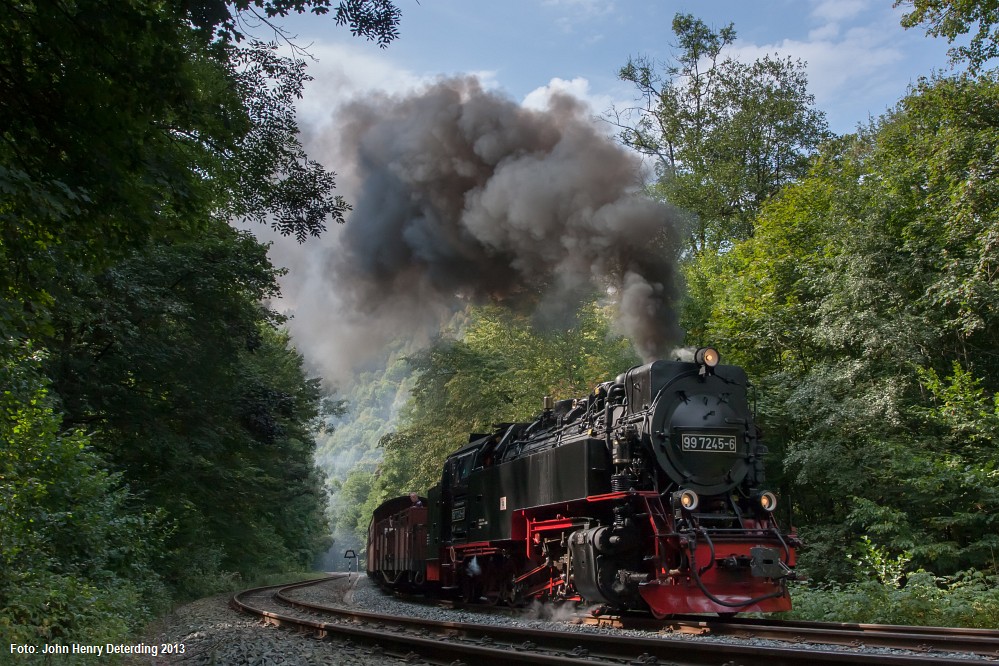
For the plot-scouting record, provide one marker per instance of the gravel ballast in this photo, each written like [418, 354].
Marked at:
[212, 633]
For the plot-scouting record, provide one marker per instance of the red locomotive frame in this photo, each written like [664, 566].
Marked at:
[398, 555]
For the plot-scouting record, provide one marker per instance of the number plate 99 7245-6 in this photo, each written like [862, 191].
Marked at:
[693, 441]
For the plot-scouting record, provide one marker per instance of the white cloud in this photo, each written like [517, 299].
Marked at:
[855, 59]
[827, 31]
[575, 12]
[835, 65]
[345, 71]
[488, 78]
[578, 87]
[582, 9]
[839, 10]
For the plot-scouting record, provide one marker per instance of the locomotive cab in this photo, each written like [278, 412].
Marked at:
[454, 492]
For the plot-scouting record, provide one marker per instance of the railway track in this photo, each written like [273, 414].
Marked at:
[452, 643]
[983, 642]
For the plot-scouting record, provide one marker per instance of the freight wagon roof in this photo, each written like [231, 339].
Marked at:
[393, 506]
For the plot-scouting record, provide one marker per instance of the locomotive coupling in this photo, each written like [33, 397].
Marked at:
[766, 563]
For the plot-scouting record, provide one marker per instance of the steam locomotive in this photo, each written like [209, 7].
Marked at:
[646, 494]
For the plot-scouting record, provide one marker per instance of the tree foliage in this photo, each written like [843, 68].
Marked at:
[92, 160]
[955, 18]
[348, 451]
[122, 125]
[158, 426]
[200, 402]
[376, 20]
[725, 136]
[271, 179]
[867, 303]
[77, 563]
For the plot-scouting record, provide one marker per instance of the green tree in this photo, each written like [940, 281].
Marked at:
[376, 20]
[77, 562]
[348, 450]
[199, 401]
[132, 133]
[955, 18]
[95, 103]
[866, 304]
[725, 135]
[125, 123]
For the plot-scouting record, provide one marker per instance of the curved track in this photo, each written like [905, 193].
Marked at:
[449, 643]
[984, 642]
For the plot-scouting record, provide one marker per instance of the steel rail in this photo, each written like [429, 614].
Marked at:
[482, 644]
[983, 642]
[403, 646]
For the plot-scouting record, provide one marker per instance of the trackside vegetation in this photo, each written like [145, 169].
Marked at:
[156, 424]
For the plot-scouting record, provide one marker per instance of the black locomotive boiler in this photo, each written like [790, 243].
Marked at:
[647, 493]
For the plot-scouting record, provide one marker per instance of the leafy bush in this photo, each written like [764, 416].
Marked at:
[201, 573]
[76, 563]
[46, 607]
[885, 594]
[969, 599]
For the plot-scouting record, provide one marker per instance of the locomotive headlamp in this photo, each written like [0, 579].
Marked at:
[768, 501]
[707, 356]
[685, 499]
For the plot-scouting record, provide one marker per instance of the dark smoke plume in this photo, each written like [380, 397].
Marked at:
[466, 196]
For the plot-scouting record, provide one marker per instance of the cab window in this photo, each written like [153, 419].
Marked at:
[461, 467]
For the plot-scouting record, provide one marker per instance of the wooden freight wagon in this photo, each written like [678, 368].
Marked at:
[397, 542]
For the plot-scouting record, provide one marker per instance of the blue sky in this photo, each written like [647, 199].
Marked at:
[860, 61]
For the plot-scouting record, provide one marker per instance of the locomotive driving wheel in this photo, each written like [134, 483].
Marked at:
[659, 615]
[499, 585]
[501, 591]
